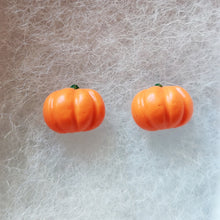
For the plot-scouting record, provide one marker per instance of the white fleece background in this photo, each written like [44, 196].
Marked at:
[118, 171]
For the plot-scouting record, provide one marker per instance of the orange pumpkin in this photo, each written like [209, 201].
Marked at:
[161, 107]
[72, 110]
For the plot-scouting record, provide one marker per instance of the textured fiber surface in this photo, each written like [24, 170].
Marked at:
[118, 171]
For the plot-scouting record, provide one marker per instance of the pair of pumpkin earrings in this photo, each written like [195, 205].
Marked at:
[73, 109]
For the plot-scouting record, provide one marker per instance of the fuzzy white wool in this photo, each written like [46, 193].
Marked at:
[118, 171]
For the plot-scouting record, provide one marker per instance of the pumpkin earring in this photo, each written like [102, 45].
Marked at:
[161, 107]
[73, 110]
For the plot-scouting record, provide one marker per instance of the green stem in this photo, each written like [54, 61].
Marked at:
[74, 86]
[158, 84]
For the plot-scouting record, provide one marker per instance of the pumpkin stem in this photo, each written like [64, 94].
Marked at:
[74, 86]
[158, 84]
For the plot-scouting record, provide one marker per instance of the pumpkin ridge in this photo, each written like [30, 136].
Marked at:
[149, 121]
[139, 118]
[184, 109]
[184, 119]
[73, 112]
[61, 130]
[51, 107]
[176, 97]
[167, 117]
[51, 101]
[94, 115]
[78, 91]
[183, 112]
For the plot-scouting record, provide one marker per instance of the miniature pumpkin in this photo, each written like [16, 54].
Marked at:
[161, 107]
[73, 110]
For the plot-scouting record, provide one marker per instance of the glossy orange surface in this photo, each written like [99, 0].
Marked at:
[160, 108]
[73, 110]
